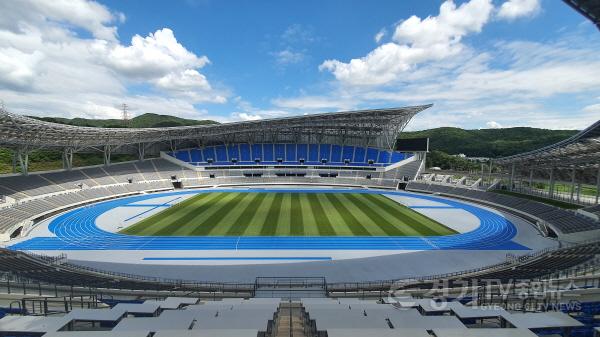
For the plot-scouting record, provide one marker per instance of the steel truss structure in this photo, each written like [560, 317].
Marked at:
[377, 128]
[588, 8]
[575, 159]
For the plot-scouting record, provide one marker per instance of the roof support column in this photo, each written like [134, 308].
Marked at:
[551, 184]
[67, 157]
[531, 180]
[572, 183]
[14, 161]
[490, 173]
[107, 152]
[23, 156]
[141, 151]
[598, 185]
[512, 177]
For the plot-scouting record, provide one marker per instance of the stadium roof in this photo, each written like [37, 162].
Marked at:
[588, 8]
[580, 151]
[376, 127]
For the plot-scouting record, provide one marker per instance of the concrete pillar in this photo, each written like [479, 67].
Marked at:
[572, 183]
[141, 151]
[551, 184]
[531, 180]
[14, 161]
[23, 155]
[107, 153]
[512, 177]
[67, 158]
[598, 185]
[490, 173]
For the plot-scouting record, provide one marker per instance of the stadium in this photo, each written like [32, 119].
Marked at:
[315, 225]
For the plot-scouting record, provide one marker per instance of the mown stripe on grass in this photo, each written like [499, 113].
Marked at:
[349, 220]
[243, 221]
[401, 213]
[284, 222]
[200, 204]
[296, 218]
[310, 226]
[232, 213]
[259, 217]
[434, 226]
[269, 227]
[359, 211]
[397, 219]
[196, 216]
[377, 216]
[322, 221]
[160, 219]
[215, 218]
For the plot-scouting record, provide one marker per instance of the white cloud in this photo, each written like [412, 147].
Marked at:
[18, 69]
[89, 15]
[493, 125]
[248, 117]
[288, 56]
[380, 35]
[415, 41]
[155, 55]
[513, 9]
[46, 64]
[593, 108]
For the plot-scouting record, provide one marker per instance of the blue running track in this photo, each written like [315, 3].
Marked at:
[77, 230]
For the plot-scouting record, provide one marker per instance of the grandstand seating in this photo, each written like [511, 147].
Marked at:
[306, 317]
[289, 154]
[561, 219]
[593, 209]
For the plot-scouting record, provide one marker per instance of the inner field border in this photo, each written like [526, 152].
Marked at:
[77, 230]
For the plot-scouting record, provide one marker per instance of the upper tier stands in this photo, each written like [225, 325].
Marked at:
[563, 220]
[289, 154]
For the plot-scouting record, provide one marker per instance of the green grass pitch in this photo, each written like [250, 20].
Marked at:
[288, 214]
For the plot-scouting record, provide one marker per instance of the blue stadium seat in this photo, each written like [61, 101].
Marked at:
[348, 153]
[290, 153]
[397, 156]
[336, 154]
[209, 153]
[313, 153]
[245, 153]
[268, 152]
[257, 151]
[372, 154]
[359, 155]
[183, 155]
[280, 151]
[325, 151]
[196, 156]
[221, 153]
[384, 157]
[233, 152]
[302, 152]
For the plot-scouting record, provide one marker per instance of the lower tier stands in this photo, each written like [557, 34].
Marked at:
[22, 187]
[289, 154]
[564, 220]
[17, 213]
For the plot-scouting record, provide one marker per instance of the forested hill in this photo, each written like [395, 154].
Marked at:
[147, 120]
[489, 142]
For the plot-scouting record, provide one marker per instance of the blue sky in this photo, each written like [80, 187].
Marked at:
[483, 63]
